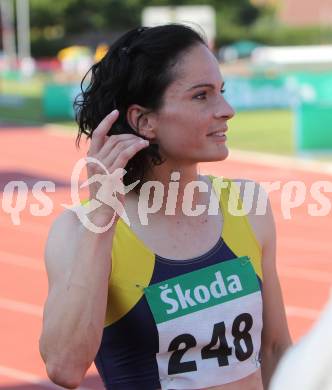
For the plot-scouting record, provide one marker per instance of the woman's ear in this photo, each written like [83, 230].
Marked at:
[142, 121]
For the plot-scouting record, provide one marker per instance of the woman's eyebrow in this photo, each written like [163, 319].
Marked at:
[204, 85]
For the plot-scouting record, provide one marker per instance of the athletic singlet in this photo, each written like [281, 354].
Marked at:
[183, 324]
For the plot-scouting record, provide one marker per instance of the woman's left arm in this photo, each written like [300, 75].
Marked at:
[275, 337]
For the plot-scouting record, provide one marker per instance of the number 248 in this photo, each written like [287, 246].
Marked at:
[175, 366]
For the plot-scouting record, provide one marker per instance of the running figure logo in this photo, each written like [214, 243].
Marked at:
[110, 185]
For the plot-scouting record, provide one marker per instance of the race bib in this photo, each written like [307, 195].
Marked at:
[209, 323]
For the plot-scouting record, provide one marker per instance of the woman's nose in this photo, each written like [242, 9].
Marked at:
[224, 109]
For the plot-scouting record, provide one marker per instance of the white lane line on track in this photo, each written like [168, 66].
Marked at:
[60, 131]
[27, 308]
[31, 378]
[302, 312]
[21, 307]
[21, 261]
[310, 245]
[26, 227]
[305, 274]
[279, 161]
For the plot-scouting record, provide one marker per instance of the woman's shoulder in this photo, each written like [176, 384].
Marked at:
[65, 220]
[251, 193]
[257, 205]
[61, 237]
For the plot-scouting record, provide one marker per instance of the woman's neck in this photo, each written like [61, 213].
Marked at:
[168, 190]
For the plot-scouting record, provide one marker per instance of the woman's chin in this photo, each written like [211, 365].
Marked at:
[220, 155]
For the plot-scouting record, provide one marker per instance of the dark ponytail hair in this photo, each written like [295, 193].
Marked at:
[137, 69]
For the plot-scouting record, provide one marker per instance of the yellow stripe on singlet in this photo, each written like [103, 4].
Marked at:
[237, 231]
[132, 269]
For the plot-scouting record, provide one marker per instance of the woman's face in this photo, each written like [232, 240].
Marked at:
[193, 109]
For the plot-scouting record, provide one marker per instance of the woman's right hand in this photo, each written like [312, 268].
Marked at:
[112, 152]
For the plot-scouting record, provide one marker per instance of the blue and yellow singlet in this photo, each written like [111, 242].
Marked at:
[183, 324]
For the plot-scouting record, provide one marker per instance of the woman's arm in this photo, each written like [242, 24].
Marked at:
[78, 264]
[275, 336]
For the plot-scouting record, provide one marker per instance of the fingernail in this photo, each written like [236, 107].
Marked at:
[114, 112]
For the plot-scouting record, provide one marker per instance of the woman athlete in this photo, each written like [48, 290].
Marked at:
[186, 298]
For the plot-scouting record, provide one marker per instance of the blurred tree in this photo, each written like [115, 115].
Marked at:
[44, 13]
[56, 23]
[82, 15]
[101, 15]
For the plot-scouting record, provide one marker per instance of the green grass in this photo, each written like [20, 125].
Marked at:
[267, 131]
[27, 112]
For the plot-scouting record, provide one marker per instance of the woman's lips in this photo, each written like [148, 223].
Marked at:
[218, 136]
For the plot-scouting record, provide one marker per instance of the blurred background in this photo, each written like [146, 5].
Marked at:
[278, 53]
[276, 59]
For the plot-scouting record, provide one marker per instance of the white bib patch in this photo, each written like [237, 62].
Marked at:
[209, 323]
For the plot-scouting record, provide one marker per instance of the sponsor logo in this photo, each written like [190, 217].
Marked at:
[178, 298]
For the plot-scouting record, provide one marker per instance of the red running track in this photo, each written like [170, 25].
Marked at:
[304, 248]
